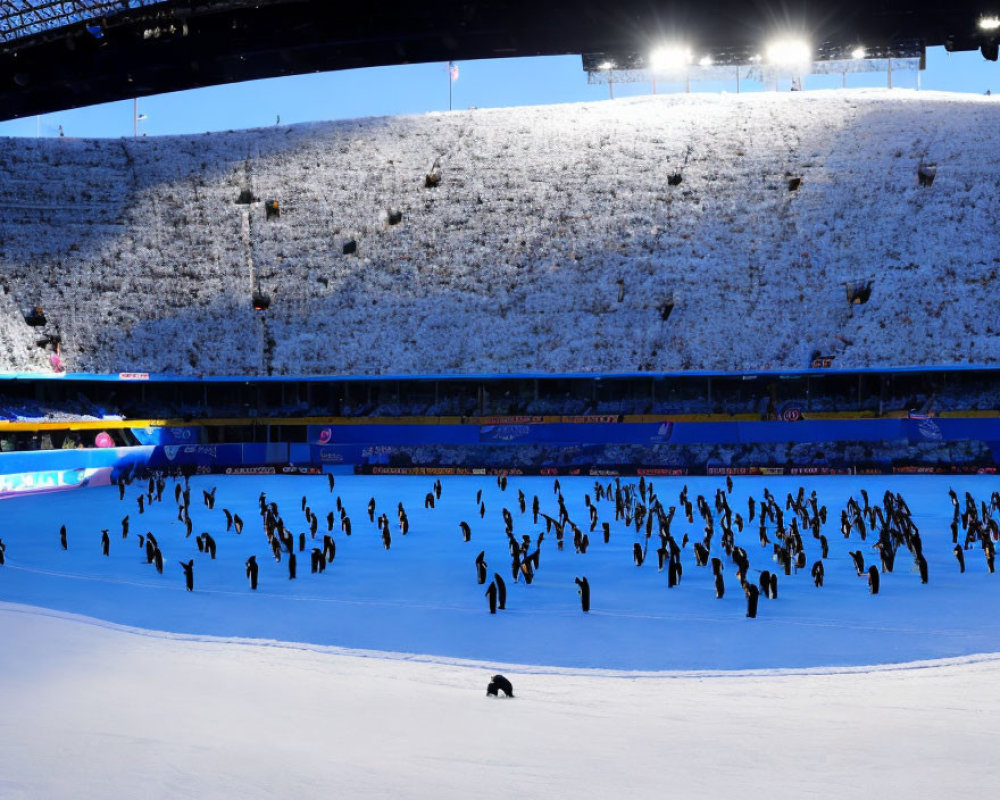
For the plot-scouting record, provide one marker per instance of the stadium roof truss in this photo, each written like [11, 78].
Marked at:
[58, 55]
[21, 18]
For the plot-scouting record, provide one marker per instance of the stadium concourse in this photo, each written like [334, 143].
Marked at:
[655, 234]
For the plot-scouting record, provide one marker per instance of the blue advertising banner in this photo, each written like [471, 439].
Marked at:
[186, 434]
[666, 432]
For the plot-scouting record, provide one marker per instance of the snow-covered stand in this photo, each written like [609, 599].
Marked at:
[554, 241]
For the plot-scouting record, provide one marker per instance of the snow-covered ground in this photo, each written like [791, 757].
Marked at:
[142, 259]
[369, 679]
[93, 712]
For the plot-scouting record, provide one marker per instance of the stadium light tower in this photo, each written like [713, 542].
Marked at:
[788, 52]
[989, 25]
[608, 66]
[671, 59]
[136, 117]
[858, 54]
[793, 54]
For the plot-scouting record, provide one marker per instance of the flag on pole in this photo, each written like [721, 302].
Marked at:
[453, 70]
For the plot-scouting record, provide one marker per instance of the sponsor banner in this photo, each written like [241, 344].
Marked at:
[297, 470]
[929, 430]
[502, 434]
[745, 470]
[663, 432]
[320, 434]
[380, 470]
[23, 483]
[263, 470]
[605, 419]
[794, 426]
[629, 470]
[663, 471]
[192, 452]
[168, 435]
[504, 420]
[133, 376]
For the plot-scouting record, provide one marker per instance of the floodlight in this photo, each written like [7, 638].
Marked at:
[670, 57]
[789, 51]
[606, 65]
[991, 23]
[705, 62]
[858, 53]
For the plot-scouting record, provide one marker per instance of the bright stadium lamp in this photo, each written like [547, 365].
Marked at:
[858, 53]
[670, 58]
[706, 61]
[606, 65]
[789, 52]
[991, 23]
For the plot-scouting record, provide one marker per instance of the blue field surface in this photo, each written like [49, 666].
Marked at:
[422, 597]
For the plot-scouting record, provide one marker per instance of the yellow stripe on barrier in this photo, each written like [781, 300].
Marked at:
[112, 424]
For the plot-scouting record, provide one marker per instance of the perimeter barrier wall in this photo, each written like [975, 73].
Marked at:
[531, 445]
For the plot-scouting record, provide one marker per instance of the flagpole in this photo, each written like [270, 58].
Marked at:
[450, 82]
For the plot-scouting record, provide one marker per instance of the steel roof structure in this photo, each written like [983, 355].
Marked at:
[59, 55]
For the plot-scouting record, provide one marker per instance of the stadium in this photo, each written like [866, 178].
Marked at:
[754, 330]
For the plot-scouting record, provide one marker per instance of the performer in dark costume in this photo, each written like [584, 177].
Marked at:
[583, 588]
[481, 567]
[501, 591]
[498, 683]
[491, 594]
[873, 579]
[252, 568]
[188, 574]
[752, 594]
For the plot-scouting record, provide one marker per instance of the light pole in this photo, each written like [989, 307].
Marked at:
[136, 117]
